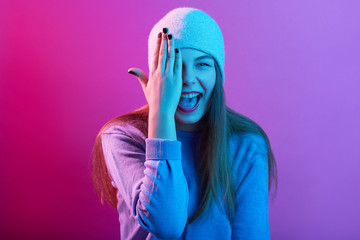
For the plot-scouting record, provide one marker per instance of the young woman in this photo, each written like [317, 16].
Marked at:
[185, 166]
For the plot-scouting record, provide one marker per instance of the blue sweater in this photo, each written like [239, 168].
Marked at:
[158, 186]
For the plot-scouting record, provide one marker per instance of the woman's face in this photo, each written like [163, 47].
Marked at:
[199, 76]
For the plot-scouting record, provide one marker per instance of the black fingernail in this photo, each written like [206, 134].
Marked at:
[131, 72]
[165, 30]
[170, 36]
[159, 35]
[176, 50]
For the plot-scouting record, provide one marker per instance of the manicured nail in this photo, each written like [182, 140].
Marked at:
[159, 35]
[131, 72]
[176, 50]
[169, 36]
[165, 30]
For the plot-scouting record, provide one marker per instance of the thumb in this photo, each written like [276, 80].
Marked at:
[140, 75]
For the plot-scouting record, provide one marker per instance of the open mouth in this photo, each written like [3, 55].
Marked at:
[189, 104]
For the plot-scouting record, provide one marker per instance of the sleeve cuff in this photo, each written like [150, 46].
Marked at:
[158, 149]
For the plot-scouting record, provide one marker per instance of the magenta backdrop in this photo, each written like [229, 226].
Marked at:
[292, 66]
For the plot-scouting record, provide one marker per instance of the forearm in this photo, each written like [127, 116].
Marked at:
[152, 183]
[161, 125]
[164, 196]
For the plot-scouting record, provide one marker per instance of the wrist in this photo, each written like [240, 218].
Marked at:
[161, 126]
[161, 115]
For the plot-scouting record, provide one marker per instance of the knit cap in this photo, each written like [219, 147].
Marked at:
[191, 28]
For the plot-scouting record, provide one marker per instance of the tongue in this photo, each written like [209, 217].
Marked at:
[188, 102]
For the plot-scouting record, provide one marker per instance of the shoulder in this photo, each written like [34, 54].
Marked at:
[131, 129]
[248, 140]
[246, 149]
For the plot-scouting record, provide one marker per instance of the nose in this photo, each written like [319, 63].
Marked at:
[188, 76]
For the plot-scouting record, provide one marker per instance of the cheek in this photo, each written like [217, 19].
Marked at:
[209, 88]
[209, 82]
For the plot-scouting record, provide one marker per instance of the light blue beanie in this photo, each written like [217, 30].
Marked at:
[191, 28]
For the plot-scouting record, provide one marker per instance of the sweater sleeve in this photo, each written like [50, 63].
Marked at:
[151, 182]
[251, 219]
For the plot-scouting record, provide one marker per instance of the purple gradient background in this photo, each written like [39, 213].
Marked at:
[292, 66]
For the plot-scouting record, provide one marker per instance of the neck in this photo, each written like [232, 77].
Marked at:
[198, 126]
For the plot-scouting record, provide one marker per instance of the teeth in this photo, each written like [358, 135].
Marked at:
[191, 95]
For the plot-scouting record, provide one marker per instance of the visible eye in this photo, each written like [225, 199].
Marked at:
[203, 64]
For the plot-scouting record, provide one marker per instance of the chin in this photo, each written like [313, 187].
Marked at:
[189, 122]
[186, 119]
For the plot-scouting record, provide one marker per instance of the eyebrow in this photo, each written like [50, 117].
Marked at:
[203, 57]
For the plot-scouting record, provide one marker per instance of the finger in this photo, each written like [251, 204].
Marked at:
[171, 55]
[163, 51]
[139, 74]
[178, 63]
[156, 53]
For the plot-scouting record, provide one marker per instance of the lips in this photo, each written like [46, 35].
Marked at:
[188, 92]
[188, 110]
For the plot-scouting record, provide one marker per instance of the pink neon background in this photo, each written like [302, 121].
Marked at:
[292, 66]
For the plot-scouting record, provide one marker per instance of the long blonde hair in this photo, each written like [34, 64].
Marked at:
[215, 170]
